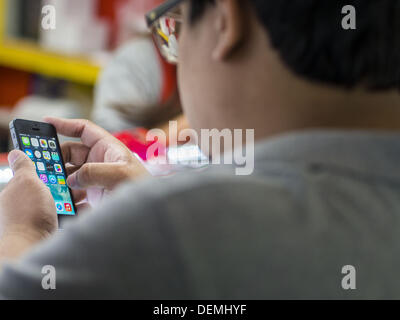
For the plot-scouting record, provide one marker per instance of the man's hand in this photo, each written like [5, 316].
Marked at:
[98, 163]
[27, 209]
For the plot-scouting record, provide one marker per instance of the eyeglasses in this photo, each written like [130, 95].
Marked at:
[165, 23]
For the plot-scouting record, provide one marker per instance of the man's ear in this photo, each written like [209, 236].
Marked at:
[229, 27]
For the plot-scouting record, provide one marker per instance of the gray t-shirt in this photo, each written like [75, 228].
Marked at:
[317, 201]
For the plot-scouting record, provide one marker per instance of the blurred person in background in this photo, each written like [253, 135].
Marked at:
[325, 106]
[138, 87]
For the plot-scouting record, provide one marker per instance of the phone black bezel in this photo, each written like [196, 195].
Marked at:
[28, 127]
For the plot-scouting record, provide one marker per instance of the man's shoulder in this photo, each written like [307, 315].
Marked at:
[210, 190]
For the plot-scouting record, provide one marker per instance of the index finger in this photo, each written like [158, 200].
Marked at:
[74, 153]
[87, 131]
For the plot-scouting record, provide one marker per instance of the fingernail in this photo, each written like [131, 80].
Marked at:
[12, 157]
[71, 181]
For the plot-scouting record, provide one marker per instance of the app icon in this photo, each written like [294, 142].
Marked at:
[58, 168]
[61, 180]
[49, 167]
[59, 207]
[43, 143]
[46, 155]
[52, 144]
[29, 153]
[35, 142]
[68, 207]
[26, 141]
[52, 179]
[38, 154]
[43, 177]
[55, 156]
[40, 166]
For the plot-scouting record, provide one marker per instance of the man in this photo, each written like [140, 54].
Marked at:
[324, 196]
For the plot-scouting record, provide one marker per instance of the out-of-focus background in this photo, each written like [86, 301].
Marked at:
[60, 65]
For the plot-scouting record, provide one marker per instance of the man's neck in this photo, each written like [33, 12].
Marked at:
[338, 109]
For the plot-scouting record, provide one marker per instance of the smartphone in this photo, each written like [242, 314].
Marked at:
[40, 143]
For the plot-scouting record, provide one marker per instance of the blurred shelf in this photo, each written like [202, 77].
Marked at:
[29, 57]
[2, 18]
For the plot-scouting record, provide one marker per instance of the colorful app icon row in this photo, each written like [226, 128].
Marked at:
[52, 179]
[27, 142]
[41, 167]
[61, 207]
[46, 155]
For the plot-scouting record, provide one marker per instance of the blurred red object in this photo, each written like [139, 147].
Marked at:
[135, 140]
[3, 159]
[14, 85]
[108, 10]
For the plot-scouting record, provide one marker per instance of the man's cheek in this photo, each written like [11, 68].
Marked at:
[183, 65]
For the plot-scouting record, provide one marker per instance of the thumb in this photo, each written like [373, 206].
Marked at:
[103, 175]
[20, 163]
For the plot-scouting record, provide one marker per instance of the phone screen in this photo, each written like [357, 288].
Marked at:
[45, 153]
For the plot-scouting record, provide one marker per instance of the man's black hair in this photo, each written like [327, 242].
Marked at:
[309, 36]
